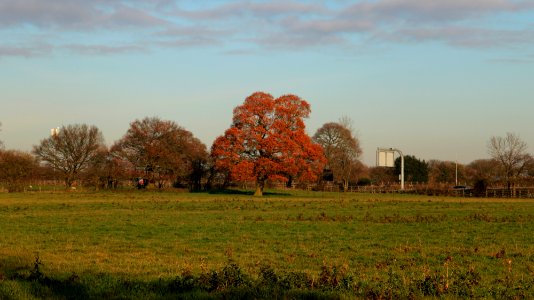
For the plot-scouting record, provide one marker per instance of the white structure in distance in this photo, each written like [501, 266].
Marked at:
[54, 131]
[385, 157]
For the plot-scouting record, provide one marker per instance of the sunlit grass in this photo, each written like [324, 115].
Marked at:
[150, 235]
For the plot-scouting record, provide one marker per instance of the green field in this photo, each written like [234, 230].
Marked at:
[146, 244]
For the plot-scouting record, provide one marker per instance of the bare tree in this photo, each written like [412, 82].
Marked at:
[342, 151]
[71, 150]
[511, 154]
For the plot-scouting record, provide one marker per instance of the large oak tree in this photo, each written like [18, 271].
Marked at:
[267, 140]
[163, 150]
[70, 150]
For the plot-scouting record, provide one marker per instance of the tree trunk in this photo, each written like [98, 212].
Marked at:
[289, 183]
[68, 182]
[260, 184]
[509, 188]
[345, 185]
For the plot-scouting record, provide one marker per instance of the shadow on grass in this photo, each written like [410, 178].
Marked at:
[26, 282]
[19, 281]
[231, 282]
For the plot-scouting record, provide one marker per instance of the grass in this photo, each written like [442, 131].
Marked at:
[378, 242]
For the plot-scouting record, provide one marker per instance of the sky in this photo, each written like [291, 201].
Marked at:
[435, 79]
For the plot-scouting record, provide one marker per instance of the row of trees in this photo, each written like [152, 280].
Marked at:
[510, 165]
[266, 141]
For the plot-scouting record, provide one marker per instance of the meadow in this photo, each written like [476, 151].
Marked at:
[153, 245]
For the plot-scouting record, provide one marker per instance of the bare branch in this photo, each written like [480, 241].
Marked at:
[71, 150]
[510, 152]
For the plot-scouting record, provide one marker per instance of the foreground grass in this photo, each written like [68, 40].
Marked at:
[145, 244]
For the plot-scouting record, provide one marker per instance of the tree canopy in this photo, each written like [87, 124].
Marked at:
[415, 170]
[267, 140]
[341, 149]
[448, 172]
[511, 154]
[70, 150]
[17, 168]
[163, 150]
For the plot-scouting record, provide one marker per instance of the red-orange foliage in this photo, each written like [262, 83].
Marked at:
[267, 140]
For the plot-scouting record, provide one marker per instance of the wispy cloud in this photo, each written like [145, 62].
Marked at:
[516, 61]
[77, 15]
[105, 49]
[266, 9]
[416, 11]
[26, 51]
[137, 25]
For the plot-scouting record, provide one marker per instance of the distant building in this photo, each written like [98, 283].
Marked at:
[54, 131]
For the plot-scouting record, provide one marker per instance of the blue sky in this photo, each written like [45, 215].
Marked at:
[435, 79]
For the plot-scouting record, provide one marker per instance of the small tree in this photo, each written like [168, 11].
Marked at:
[267, 140]
[482, 170]
[415, 170]
[341, 149]
[106, 171]
[510, 153]
[17, 169]
[70, 150]
[445, 172]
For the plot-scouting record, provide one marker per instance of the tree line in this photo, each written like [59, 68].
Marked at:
[509, 166]
[266, 141]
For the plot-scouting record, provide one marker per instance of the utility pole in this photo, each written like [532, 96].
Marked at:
[456, 173]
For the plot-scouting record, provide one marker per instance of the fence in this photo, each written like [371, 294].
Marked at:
[385, 188]
[520, 192]
[412, 188]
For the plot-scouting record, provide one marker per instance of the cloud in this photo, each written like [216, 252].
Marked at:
[120, 26]
[457, 23]
[240, 9]
[105, 49]
[188, 42]
[131, 17]
[458, 36]
[298, 42]
[74, 14]
[416, 11]
[332, 26]
[515, 61]
[37, 49]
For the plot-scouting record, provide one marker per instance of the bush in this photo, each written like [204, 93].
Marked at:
[17, 169]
